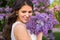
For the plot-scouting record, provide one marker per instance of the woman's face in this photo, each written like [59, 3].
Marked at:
[24, 13]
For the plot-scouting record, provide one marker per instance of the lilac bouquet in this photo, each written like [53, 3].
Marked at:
[36, 23]
[41, 22]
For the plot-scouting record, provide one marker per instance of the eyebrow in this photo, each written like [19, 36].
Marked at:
[25, 10]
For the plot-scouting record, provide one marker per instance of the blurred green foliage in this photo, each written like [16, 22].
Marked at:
[11, 3]
[6, 2]
[57, 36]
[2, 24]
[57, 14]
[56, 2]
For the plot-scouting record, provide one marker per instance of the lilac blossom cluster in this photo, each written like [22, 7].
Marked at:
[40, 4]
[6, 9]
[41, 22]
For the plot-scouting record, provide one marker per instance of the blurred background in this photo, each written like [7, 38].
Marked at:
[6, 9]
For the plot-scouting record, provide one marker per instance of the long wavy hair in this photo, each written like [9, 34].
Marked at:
[13, 17]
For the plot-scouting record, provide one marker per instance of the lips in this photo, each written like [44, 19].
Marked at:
[27, 19]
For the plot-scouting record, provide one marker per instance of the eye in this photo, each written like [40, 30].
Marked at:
[30, 12]
[23, 11]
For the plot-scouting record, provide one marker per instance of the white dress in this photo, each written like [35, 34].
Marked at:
[33, 37]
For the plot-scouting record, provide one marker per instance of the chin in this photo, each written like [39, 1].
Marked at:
[25, 21]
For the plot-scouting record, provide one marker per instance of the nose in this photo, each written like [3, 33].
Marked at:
[27, 15]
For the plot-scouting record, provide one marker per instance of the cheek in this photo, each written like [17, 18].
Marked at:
[31, 14]
[20, 15]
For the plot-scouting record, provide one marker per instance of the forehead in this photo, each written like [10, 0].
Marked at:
[26, 7]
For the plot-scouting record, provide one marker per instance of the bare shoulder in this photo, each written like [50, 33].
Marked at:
[20, 27]
[20, 31]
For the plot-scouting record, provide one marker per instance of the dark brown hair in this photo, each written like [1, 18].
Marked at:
[12, 18]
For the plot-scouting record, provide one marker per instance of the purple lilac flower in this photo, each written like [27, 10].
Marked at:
[45, 2]
[2, 16]
[8, 9]
[57, 7]
[1, 3]
[43, 16]
[54, 20]
[1, 9]
[50, 36]
[35, 2]
[41, 3]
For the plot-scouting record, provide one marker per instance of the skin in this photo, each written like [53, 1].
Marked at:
[20, 31]
[39, 36]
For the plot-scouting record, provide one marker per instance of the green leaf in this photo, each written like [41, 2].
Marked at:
[41, 4]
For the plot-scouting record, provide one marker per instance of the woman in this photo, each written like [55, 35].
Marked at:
[16, 28]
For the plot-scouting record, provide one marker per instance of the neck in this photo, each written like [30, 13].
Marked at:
[20, 21]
